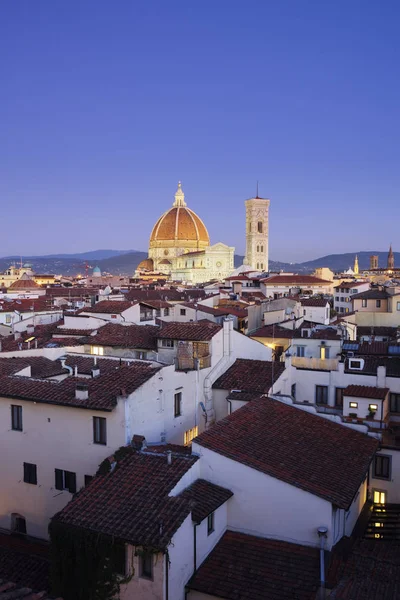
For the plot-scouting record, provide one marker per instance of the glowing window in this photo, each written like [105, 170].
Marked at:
[353, 404]
[97, 350]
[379, 497]
[189, 435]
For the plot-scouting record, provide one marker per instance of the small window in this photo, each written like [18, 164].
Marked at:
[324, 352]
[158, 312]
[97, 350]
[8, 319]
[382, 466]
[293, 391]
[88, 479]
[364, 303]
[146, 565]
[166, 312]
[167, 343]
[398, 306]
[339, 397]
[210, 523]
[113, 316]
[373, 407]
[378, 304]
[189, 435]
[65, 480]
[258, 265]
[353, 404]
[355, 364]
[18, 524]
[321, 394]
[183, 312]
[30, 473]
[259, 227]
[300, 350]
[262, 265]
[262, 248]
[177, 404]
[395, 403]
[258, 248]
[379, 497]
[99, 430]
[16, 417]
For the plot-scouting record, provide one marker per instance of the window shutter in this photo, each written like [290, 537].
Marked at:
[59, 479]
[72, 483]
[26, 473]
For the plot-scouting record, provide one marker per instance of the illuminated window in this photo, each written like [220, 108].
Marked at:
[189, 435]
[373, 407]
[97, 350]
[324, 352]
[353, 404]
[379, 497]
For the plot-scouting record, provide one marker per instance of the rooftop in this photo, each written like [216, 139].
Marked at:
[247, 567]
[249, 375]
[302, 449]
[373, 294]
[295, 280]
[132, 502]
[314, 302]
[206, 497]
[103, 390]
[365, 391]
[197, 331]
[126, 336]
[109, 307]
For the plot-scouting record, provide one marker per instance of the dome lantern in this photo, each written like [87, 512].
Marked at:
[179, 196]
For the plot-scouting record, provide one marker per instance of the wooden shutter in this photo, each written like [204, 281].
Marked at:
[72, 482]
[59, 479]
[26, 473]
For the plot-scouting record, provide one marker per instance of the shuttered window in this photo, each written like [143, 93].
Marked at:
[65, 480]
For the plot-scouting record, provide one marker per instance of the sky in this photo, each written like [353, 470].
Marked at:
[104, 106]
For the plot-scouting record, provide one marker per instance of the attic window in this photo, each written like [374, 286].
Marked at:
[113, 316]
[356, 364]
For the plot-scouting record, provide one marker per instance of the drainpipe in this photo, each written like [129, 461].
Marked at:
[230, 406]
[166, 576]
[218, 369]
[322, 534]
[195, 547]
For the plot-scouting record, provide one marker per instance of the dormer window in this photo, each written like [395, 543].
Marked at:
[357, 364]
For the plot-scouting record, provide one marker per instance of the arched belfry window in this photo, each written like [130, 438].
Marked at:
[258, 248]
[260, 227]
[249, 227]
[262, 248]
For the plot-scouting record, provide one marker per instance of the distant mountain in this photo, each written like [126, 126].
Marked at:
[92, 255]
[341, 262]
[124, 262]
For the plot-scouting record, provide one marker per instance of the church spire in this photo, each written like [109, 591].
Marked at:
[390, 261]
[356, 267]
[179, 196]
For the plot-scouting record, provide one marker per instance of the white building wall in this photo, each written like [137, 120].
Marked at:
[204, 542]
[181, 556]
[392, 485]
[317, 314]
[264, 506]
[53, 437]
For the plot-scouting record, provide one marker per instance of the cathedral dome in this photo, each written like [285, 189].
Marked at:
[179, 224]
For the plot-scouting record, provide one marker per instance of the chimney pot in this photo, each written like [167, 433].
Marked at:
[81, 391]
[169, 457]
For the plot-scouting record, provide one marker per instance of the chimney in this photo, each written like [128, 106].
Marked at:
[139, 442]
[76, 371]
[95, 371]
[81, 391]
[169, 457]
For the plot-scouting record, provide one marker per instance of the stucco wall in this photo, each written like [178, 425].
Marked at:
[53, 437]
[140, 588]
[264, 506]
[181, 555]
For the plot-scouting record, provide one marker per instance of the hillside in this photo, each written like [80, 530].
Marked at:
[121, 262]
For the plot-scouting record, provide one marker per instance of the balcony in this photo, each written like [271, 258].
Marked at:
[189, 363]
[146, 316]
[315, 364]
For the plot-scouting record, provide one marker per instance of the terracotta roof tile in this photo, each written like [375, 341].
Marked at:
[108, 307]
[371, 295]
[371, 364]
[250, 375]
[304, 450]
[295, 280]
[365, 391]
[205, 497]
[103, 390]
[314, 302]
[245, 567]
[126, 336]
[197, 331]
[24, 563]
[132, 502]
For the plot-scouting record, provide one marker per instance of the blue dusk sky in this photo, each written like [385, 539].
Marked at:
[106, 105]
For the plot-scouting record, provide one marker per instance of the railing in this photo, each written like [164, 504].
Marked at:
[188, 363]
[146, 317]
[316, 364]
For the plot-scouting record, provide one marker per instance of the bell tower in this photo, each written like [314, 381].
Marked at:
[257, 210]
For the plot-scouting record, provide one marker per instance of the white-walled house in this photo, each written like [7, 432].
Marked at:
[342, 294]
[71, 423]
[290, 472]
[316, 310]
